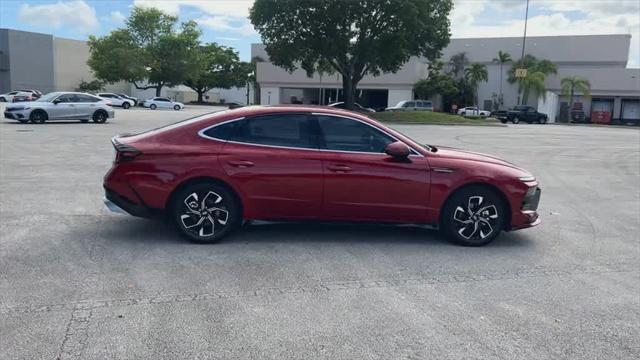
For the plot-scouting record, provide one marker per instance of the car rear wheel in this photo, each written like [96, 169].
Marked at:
[543, 120]
[152, 106]
[38, 117]
[473, 216]
[176, 107]
[99, 117]
[126, 105]
[206, 212]
[516, 120]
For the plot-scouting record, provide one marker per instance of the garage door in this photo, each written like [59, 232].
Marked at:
[631, 110]
[601, 111]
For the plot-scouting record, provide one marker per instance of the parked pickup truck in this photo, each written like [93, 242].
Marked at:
[521, 113]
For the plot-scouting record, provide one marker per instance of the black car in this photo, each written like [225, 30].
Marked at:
[521, 113]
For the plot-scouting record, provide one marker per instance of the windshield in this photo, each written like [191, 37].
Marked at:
[49, 97]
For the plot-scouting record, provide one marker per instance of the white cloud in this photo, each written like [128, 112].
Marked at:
[222, 15]
[229, 24]
[76, 14]
[116, 17]
[559, 18]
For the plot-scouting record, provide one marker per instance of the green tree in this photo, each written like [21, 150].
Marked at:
[356, 37]
[151, 48]
[436, 83]
[573, 85]
[475, 74]
[90, 86]
[537, 72]
[457, 64]
[215, 66]
[502, 59]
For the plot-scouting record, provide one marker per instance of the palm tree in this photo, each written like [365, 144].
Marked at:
[571, 86]
[474, 75]
[539, 69]
[503, 58]
[457, 65]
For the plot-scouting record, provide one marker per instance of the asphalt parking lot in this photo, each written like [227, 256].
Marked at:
[78, 282]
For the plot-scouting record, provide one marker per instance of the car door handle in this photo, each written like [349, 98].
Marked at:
[240, 163]
[339, 168]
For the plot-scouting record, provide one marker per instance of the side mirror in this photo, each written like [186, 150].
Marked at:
[398, 150]
[56, 102]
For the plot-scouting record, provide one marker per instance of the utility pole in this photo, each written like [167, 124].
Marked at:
[522, 72]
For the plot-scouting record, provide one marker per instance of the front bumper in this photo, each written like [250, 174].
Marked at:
[16, 115]
[527, 216]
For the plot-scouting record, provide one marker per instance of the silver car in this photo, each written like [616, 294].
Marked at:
[162, 102]
[412, 105]
[61, 106]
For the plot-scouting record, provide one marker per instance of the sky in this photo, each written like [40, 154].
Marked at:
[225, 21]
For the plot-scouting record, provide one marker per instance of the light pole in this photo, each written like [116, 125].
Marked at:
[522, 72]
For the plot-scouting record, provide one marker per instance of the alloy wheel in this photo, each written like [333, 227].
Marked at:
[477, 220]
[204, 214]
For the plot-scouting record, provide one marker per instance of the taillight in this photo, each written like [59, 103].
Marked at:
[108, 103]
[124, 152]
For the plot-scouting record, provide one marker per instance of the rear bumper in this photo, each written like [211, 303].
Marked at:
[120, 204]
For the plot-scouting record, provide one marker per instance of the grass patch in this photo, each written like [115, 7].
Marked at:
[428, 117]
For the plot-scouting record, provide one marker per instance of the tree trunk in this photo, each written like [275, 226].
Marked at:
[349, 90]
[570, 105]
[159, 89]
[200, 95]
[500, 97]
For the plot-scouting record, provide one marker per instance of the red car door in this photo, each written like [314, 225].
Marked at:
[361, 182]
[275, 163]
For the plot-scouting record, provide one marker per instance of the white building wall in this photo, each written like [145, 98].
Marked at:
[269, 95]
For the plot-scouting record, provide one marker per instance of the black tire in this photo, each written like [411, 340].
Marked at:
[473, 216]
[38, 117]
[205, 212]
[176, 107]
[153, 106]
[100, 117]
[126, 105]
[503, 121]
[3, 99]
[516, 120]
[543, 120]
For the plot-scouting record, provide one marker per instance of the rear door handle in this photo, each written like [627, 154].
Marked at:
[240, 163]
[339, 168]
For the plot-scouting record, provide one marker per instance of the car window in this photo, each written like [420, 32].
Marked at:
[13, 93]
[419, 104]
[225, 131]
[162, 99]
[344, 134]
[409, 104]
[81, 98]
[65, 98]
[289, 130]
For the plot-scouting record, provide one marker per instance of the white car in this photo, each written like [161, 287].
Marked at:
[61, 106]
[162, 103]
[117, 100]
[473, 111]
[412, 105]
[8, 97]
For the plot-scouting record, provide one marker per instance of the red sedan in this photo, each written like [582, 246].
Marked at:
[211, 173]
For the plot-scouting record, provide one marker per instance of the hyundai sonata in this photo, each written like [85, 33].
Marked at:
[211, 173]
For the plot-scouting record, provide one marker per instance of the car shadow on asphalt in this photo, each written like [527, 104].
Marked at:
[154, 231]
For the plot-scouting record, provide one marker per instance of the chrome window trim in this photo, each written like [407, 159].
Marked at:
[202, 134]
[414, 151]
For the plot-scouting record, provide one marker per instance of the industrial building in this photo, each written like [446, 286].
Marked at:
[602, 59]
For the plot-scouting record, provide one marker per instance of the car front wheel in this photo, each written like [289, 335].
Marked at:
[126, 105]
[516, 120]
[474, 216]
[38, 117]
[206, 212]
[153, 106]
[176, 107]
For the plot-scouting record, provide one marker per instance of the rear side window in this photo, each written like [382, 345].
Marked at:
[409, 104]
[288, 130]
[85, 98]
[343, 134]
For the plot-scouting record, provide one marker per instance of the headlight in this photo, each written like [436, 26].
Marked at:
[527, 178]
